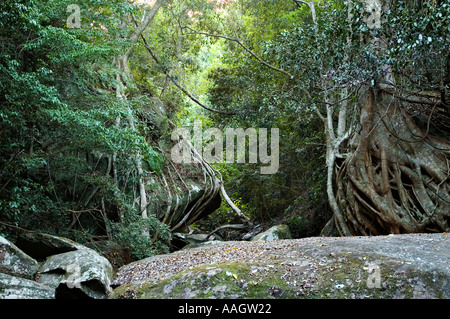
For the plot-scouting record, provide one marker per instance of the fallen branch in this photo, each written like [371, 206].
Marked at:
[233, 226]
[238, 212]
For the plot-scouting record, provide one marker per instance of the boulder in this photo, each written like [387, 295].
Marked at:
[67, 269]
[117, 254]
[276, 232]
[204, 244]
[12, 287]
[40, 246]
[79, 273]
[15, 262]
[374, 267]
[196, 238]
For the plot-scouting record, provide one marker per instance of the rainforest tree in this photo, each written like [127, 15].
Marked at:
[72, 147]
[358, 89]
[388, 173]
[376, 74]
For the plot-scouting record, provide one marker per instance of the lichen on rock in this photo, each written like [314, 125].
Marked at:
[383, 267]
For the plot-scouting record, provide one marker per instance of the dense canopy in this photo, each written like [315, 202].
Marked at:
[91, 93]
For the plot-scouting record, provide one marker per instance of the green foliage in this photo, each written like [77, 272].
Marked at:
[268, 99]
[298, 226]
[129, 233]
[61, 122]
[333, 50]
[420, 42]
[67, 149]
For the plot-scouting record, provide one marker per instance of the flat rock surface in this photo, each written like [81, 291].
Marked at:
[411, 265]
[12, 287]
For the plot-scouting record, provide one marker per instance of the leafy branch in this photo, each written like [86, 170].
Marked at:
[178, 85]
[238, 41]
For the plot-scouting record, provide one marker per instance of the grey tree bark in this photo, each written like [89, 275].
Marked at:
[384, 174]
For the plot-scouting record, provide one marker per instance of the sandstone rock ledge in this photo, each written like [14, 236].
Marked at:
[42, 266]
[384, 267]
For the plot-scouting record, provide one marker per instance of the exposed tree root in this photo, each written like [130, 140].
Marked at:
[396, 178]
[177, 181]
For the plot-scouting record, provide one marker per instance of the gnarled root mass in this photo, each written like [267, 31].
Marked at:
[184, 192]
[396, 178]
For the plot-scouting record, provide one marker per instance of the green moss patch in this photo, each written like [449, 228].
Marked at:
[341, 276]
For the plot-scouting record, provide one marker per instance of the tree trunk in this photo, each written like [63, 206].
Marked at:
[122, 64]
[393, 177]
[396, 179]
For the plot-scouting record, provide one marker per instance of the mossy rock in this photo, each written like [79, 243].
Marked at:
[342, 277]
[12, 287]
[15, 262]
[382, 267]
[219, 281]
[276, 232]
